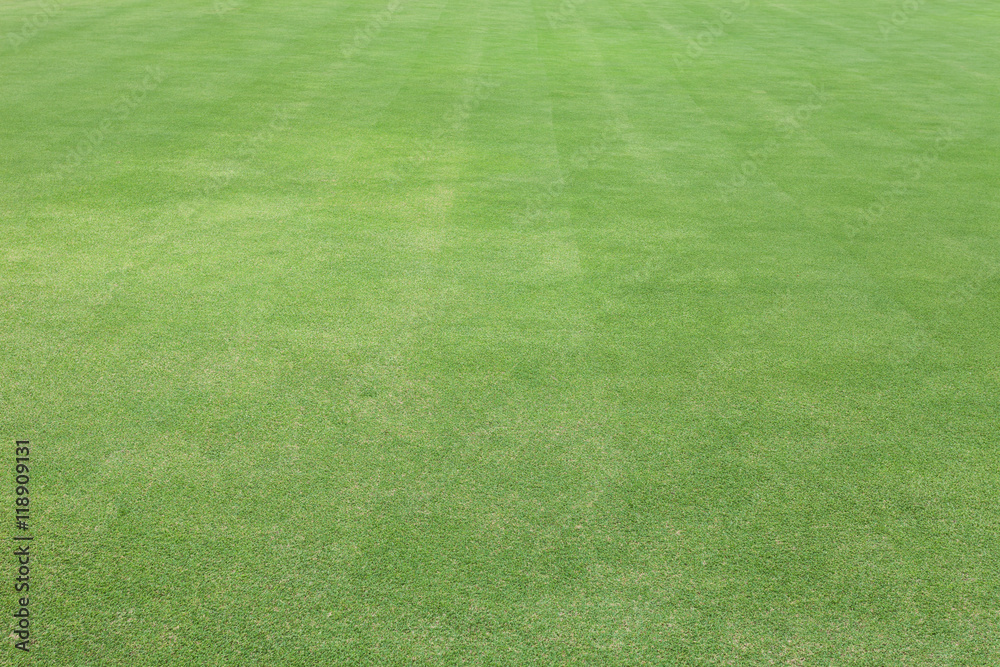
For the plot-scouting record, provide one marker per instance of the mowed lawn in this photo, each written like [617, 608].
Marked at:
[503, 332]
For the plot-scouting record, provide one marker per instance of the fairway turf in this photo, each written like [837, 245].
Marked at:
[503, 332]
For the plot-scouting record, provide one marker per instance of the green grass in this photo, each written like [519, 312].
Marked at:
[427, 332]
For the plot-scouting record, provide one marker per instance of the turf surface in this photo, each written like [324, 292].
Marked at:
[503, 332]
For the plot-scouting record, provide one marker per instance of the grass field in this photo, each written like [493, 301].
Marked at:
[502, 332]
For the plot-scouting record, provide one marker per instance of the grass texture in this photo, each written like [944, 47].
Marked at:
[503, 332]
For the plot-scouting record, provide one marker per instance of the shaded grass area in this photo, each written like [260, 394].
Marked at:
[505, 332]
